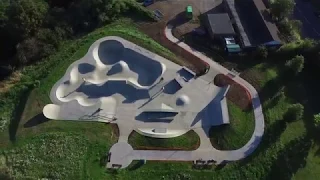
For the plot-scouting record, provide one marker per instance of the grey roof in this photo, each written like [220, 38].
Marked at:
[235, 16]
[220, 23]
[256, 28]
[272, 28]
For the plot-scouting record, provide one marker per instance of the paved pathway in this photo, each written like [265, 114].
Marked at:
[122, 150]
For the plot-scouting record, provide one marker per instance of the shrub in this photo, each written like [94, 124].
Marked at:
[317, 120]
[261, 52]
[290, 29]
[294, 112]
[295, 65]
[27, 51]
[281, 9]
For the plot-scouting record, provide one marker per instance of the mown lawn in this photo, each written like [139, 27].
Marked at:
[237, 133]
[36, 148]
[188, 141]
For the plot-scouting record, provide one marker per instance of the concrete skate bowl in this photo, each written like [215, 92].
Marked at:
[111, 52]
[183, 100]
[89, 94]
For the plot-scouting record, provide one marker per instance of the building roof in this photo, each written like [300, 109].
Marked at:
[250, 12]
[220, 24]
[272, 28]
[236, 19]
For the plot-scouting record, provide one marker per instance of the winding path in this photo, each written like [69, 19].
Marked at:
[257, 109]
[122, 154]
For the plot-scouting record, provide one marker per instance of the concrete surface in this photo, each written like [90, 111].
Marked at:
[120, 82]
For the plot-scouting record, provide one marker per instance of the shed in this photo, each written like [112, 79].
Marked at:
[220, 26]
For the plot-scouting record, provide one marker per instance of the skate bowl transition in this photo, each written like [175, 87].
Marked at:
[122, 83]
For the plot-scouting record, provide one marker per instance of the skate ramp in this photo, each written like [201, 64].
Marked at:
[113, 69]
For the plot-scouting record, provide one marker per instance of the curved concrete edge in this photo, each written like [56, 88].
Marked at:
[73, 76]
[88, 58]
[169, 134]
[254, 141]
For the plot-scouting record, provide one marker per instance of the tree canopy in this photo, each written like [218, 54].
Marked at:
[295, 65]
[294, 112]
[282, 9]
[32, 29]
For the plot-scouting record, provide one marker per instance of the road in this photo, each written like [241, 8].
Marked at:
[304, 11]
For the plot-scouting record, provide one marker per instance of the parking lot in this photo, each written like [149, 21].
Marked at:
[172, 9]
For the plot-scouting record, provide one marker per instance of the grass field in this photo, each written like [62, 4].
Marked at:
[237, 133]
[189, 141]
[34, 148]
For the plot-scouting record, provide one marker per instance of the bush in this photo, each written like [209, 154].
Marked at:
[261, 52]
[281, 9]
[290, 30]
[295, 65]
[27, 51]
[294, 112]
[317, 120]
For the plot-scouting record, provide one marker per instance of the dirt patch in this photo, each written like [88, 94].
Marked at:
[156, 32]
[115, 131]
[254, 77]
[236, 94]
[6, 84]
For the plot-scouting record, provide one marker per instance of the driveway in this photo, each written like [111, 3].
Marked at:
[304, 11]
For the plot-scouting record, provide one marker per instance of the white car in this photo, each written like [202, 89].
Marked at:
[229, 40]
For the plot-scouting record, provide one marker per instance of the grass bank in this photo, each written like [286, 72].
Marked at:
[237, 133]
[188, 141]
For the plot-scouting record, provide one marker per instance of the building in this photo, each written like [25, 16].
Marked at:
[219, 26]
[253, 23]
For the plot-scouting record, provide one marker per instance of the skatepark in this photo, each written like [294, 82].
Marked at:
[122, 83]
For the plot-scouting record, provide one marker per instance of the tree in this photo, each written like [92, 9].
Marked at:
[27, 51]
[294, 112]
[4, 4]
[26, 16]
[295, 65]
[281, 9]
[317, 120]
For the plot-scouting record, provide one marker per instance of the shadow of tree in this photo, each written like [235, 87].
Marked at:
[14, 123]
[36, 120]
[290, 159]
[135, 165]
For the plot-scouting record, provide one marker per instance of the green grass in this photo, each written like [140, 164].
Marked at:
[237, 133]
[188, 141]
[52, 155]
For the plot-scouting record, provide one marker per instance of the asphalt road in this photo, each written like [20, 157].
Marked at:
[310, 23]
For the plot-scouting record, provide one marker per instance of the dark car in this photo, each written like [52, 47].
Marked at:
[317, 14]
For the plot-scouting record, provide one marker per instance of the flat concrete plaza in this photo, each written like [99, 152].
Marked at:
[122, 83]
